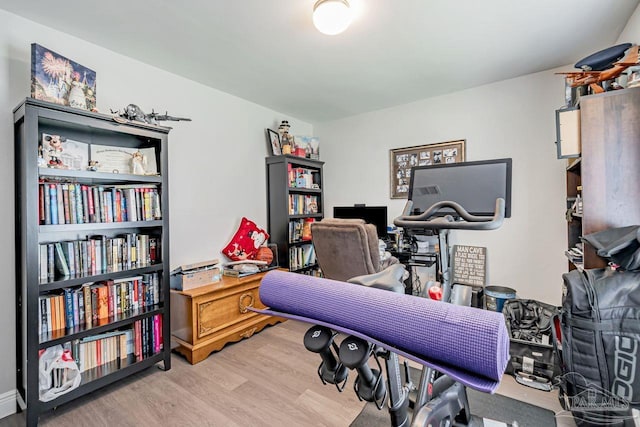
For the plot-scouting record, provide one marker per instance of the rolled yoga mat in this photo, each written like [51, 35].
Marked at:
[469, 344]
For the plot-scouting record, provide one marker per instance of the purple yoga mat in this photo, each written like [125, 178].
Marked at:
[470, 345]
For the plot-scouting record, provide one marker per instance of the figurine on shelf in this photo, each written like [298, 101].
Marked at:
[93, 165]
[286, 140]
[55, 151]
[138, 163]
[41, 161]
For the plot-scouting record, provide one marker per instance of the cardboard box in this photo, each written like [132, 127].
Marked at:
[190, 276]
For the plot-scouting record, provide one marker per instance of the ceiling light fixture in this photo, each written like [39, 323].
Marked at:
[331, 16]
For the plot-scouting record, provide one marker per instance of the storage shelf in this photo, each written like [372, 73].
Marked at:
[77, 332]
[575, 166]
[306, 267]
[305, 190]
[98, 177]
[61, 283]
[300, 243]
[33, 118]
[299, 216]
[95, 226]
[101, 376]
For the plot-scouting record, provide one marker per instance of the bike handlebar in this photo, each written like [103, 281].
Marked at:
[427, 219]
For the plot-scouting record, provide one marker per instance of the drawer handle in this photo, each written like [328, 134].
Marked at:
[248, 333]
[241, 304]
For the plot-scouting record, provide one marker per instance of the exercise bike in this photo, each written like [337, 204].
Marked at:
[440, 399]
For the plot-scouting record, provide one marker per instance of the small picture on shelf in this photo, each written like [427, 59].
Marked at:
[58, 152]
[274, 142]
[310, 145]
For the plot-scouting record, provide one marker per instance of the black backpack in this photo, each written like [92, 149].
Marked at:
[600, 324]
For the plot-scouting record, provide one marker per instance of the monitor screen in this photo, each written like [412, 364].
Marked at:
[376, 215]
[473, 185]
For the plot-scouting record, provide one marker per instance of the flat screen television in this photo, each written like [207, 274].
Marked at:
[376, 215]
[473, 185]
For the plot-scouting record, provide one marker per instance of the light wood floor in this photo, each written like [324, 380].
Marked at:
[267, 380]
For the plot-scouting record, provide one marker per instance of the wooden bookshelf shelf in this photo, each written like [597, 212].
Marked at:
[63, 306]
[284, 197]
[61, 283]
[97, 226]
[97, 177]
[61, 336]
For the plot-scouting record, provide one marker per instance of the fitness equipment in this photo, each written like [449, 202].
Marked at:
[431, 223]
[424, 333]
[320, 339]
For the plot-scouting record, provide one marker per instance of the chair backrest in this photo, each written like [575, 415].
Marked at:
[345, 248]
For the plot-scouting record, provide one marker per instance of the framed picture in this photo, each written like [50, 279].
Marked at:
[401, 160]
[273, 138]
[57, 79]
[63, 153]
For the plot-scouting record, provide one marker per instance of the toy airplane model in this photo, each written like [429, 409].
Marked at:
[134, 113]
[591, 78]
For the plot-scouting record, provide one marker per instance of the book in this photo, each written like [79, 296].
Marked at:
[60, 260]
[69, 197]
[78, 204]
[60, 200]
[53, 196]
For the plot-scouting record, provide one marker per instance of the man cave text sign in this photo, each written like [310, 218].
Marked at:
[469, 265]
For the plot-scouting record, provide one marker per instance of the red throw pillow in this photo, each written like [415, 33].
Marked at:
[246, 242]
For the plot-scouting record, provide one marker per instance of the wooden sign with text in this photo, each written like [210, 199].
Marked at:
[469, 264]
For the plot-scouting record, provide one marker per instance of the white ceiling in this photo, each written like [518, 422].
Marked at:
[396, 51]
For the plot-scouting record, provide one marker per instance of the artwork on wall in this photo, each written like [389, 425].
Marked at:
[401, 160]
[60, 80]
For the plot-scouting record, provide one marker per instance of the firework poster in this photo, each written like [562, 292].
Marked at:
[57, 79]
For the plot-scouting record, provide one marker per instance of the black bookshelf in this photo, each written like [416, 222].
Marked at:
[32, 118]
[280, 187]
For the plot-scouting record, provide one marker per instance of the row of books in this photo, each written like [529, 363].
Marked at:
[302, 177]
[94, 304]
[68, 203]
[300, 230]
[302, 204]
[301, 256]
[96, 255]
[142, 340]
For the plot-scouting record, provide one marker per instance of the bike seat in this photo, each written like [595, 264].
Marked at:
[389, 279]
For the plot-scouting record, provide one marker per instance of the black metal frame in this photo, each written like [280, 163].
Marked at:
[31, 117]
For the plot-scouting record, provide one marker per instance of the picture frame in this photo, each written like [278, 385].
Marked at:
[568, 133]
[60, 80]
[273, 138]
[401, 160]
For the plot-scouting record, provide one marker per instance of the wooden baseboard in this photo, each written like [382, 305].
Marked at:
[8, 403]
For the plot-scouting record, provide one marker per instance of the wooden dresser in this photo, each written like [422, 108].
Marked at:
[205, 319]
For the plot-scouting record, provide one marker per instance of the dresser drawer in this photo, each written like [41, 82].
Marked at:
[219, 313]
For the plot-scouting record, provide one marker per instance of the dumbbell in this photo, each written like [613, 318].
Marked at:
[354, 354]
[318, 339]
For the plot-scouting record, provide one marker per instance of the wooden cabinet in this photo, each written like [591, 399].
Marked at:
[207, 318]
[113, 241]
[608, 171]
[294, 197]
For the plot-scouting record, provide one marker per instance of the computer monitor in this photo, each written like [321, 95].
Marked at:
[376, 215]
[473, 185]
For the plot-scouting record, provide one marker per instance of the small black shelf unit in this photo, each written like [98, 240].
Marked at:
[282, 189]
[32, 118]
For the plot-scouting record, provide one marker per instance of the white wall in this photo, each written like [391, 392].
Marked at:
[216, 162]
[513, 118]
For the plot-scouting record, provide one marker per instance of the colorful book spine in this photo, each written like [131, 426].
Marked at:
[53, 195]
